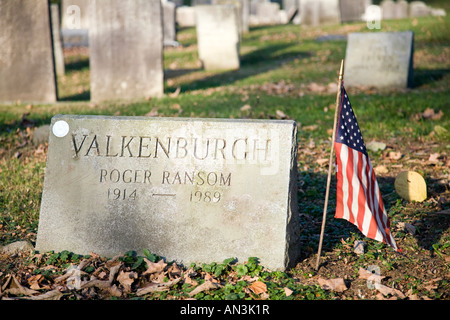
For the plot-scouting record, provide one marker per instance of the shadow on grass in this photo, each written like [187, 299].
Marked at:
[83, 96]
[424, 76]
[259, 61]
[77, 64]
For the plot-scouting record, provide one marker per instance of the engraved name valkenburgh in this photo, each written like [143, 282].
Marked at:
[170, 147]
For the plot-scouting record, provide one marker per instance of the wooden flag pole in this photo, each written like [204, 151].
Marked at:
[324, 218]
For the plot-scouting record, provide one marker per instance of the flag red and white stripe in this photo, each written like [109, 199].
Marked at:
[358, 195]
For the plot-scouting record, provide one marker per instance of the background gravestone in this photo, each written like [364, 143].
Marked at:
[380, 59]
[169, 9]
[319, 12]
[353, 10]
[57, 41]
[388, 9]
[419, 9]
[243, 9]
[75, 23]
[268, 13]
[185, 16]
[218, 36]
[126, 44]
[191, 190]
[27, 70]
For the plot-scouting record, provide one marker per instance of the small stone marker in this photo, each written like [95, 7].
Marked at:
[126, 45]
[411, 186]
[379, 59]
[185, 16]
[388, 9]
[191, 190]
[57, 41]
[27, 70]
[170, 33]
[218, 36]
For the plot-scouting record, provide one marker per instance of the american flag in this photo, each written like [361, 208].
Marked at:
[358, 195]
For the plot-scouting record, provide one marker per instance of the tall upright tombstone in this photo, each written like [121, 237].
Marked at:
[319, 12]
[169, 18]
[218, 36]
[27, 69]
[190, 190]
[388, 9]
[379, 59]
[126, 45]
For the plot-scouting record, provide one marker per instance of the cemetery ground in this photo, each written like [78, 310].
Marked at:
[287, 72]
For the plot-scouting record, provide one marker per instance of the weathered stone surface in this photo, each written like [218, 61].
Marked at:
[319, 12]
[57, 41]
[388, 9]
[243, 10]
[126, 44]
[353, 10]
[185, 16]
[218, 36]
[15, 247]
[379, 59]
[191, 190]
[27, 70]
[419, 9]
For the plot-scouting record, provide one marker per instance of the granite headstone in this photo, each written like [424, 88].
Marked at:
[191, 190]
[379, 59]
[27, 70]
[126, 49]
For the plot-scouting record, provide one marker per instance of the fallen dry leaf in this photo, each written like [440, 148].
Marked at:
[310, 128]
[245, 107]
[207, 285]
[429, 113]
[434, 158]
[385, 290]
[280, 114]
[154, 287]
[115, 291]
[13, 286]
[321, 162]
[287, 291]
[101, 284]
[258, 287]
[54, 294]
[395, 155]
[34, 281]
[153, 267]
[175, 93]
[380, 169]
[126, 279]
[336, 284]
